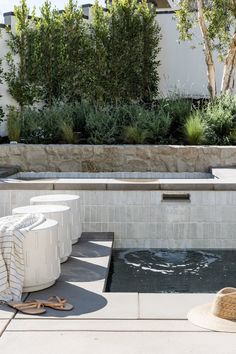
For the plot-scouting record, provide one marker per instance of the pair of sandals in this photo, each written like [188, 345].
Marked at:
[37, 307]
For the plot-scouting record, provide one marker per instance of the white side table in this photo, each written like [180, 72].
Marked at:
[71, 201]
[42, 262]
[62, 215]
[41, 259]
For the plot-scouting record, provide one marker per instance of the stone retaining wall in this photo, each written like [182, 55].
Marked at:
[118, 158]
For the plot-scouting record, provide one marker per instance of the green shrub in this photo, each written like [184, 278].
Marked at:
[155, 122]
[44, 126]
[32, 127]
[133, 46]
[178, 109]
[135, 135]
[232, 136]
[133, 123]
[101, 127]
[111, 58]
[159, 126]
[194, 129]
[150, 125]
[79, 113]
[220, 116]
[13, 124]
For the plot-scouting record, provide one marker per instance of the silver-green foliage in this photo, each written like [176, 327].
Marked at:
[101, 126]
[128, 124]
[45, 126]
[220, 118]
[214, 124]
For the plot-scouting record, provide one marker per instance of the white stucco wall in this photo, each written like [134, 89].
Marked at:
[182, 68]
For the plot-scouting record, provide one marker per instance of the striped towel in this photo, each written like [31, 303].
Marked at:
[12, 230]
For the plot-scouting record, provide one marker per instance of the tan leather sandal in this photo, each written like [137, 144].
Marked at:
[56, 303]
[29, 308]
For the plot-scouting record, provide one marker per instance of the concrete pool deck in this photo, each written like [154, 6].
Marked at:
[105, 323]
[217, 179]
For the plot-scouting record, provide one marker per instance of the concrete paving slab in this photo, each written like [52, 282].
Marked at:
[3, 325]
[23, 185]
[103, 325]
[118, 306]
[79, 184]
[87, 304]
[94, 286]
[6, 312]
[224, 173]
[117, 343]
[170, 306]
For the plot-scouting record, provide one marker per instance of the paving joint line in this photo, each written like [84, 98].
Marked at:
[9, 320]
[108, 331]
[139, 307]
[5, 327]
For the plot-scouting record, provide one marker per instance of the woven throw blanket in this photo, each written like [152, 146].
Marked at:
[12, 229]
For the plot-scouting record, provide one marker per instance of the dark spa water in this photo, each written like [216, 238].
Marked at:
[171, 271]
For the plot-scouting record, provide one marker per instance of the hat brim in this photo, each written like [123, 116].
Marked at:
[202, 317]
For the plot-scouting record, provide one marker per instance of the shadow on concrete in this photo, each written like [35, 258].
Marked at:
[77, 270]
[97, 236]
[84, 301]
[90, 249]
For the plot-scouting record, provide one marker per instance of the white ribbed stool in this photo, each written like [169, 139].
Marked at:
[62, 215]
[41, 260]
[71, 201]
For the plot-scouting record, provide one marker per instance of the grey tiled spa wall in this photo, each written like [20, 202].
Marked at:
[141, 219]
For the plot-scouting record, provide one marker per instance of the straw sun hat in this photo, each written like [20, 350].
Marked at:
[218, 316]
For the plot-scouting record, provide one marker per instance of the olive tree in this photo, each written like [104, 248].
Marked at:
[217, 22]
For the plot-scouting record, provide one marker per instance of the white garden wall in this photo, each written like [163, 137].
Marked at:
[182, 69]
